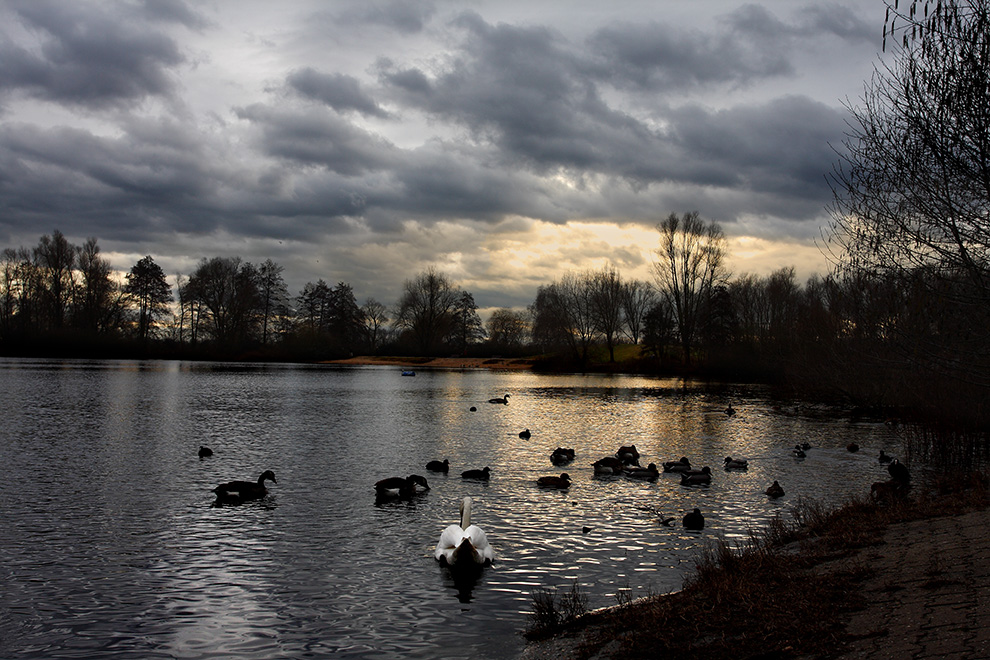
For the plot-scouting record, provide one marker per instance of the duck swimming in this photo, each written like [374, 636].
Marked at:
[775, 490]
[735, 463]
[650, 472]
[697, 478]
[694, 520]
[235, 492]
[561, 455]
[205, 452]
[608, 465]
[401, 487]
[483, 474]
[464, 544]
[438, 466]
[681, 465]
[504, 400]
[628, 455]
[563, 481]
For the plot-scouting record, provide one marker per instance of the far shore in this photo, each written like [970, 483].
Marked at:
[413, 363]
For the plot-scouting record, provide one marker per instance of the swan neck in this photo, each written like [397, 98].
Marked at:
[466, 513]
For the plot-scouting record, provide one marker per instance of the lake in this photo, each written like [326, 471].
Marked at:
[111, 548]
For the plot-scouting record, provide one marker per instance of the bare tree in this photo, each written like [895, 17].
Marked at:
[227, 288]
[507, 328]
[55, 258]
[637, 300]
[690, 265]
[273, 294]
[426, 309]
[376, 319]
[563, 315]
[912, 186]
[607, 297]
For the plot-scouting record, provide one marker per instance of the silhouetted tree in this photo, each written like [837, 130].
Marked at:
[466, 327]
[148, 287]
[607, 297]
[507, 329]
[690, 264]
[273, 295]
[227, 288]
[376, 319]
[426, 309]
[912, 187]
[637, 300]
[55, 259]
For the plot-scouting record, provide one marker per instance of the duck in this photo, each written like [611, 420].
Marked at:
[806, 446]
[681, 465]
[439, 466]
[205, 452]
[798, 452]
[884, 458]
[649, 472]
[525, 434]
[465, 544]
[563, 481]
[730, 411]
[696, 479]
[235, 492]
[694, 520]
[483, 474]
[561, 455]
[628, 455]
[852, 447]
[775, 490]
[401, 486]
[504, 400]
[735, 463]
[608, 465]
[899, 472]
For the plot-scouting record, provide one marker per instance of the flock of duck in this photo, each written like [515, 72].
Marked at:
[466, 544]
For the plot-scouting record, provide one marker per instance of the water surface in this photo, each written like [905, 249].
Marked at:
[111, 548]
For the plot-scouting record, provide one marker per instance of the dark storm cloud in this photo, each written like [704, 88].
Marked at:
[315, 137]
[154, 174]
[521, 89]
[91, 55]
[777, 147]
[385, 135]
[339, 91]
[405, 16]
[659, 57]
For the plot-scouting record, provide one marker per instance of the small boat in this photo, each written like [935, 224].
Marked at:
[408, 373]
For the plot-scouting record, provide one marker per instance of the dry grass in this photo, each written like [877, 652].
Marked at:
[773, 597]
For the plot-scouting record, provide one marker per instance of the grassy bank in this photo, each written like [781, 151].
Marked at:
[780, 595]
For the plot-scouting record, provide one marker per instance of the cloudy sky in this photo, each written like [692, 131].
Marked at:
[504, 142]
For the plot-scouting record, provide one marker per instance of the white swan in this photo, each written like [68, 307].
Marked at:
[464, 544]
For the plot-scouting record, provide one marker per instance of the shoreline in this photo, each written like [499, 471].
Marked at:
[903, 580]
